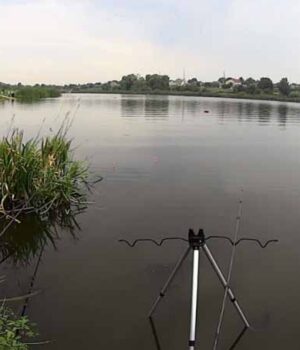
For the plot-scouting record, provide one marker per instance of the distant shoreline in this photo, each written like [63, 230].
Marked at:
[193, 94]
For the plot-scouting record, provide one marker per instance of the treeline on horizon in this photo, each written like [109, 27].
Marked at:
[162, 83]
[263, 88]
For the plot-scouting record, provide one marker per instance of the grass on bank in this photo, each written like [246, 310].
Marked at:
[40, 175]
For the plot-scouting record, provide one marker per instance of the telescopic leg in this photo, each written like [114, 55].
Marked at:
[225, 285]
[193, 323]
[170, 279]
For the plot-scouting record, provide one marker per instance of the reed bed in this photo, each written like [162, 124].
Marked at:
[40, 175]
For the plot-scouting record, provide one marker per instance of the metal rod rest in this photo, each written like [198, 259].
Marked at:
[170, 279]
[224, 283]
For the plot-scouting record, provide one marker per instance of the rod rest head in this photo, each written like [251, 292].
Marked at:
[196, 240]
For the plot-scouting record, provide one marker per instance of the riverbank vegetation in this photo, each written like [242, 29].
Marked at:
[40, 175]
[263, 88]
[28, 93]
[32, 93]
[260, 89]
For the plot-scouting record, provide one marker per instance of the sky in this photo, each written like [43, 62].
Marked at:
[66, 41]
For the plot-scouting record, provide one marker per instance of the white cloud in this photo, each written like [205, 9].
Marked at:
[53, 42]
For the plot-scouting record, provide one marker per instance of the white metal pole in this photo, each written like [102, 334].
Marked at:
[193, 323]
[225, 285]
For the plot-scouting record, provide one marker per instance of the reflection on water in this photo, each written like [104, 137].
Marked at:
[161, 107]
[157, 342]
[156, 108]
[264, 112]
[23, 243]
[23, 240]
[132, 107]
[145, 106]
[249, 110]
[282, 114]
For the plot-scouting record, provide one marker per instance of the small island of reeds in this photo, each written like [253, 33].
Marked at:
[40, 175]
[28, 93]
[33, 93]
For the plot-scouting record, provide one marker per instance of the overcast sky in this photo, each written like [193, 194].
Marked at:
[63, 41]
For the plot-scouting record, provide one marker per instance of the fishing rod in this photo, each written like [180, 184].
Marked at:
[196, 244]
[32, 280]
[228, 280]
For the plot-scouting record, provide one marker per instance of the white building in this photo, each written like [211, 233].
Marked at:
[233, 82]
[177, 82]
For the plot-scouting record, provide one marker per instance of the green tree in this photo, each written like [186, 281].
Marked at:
[140, 85]
[250, 81]
[251, 89]
[284, 87]
[265, 84]
[192, 85]
[157, 82]
[193, 81]
[128, 81]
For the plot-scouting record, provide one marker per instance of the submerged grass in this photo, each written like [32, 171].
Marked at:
[40, 175]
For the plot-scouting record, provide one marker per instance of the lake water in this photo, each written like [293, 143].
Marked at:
[168, 166]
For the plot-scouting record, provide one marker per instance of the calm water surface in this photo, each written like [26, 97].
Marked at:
[167, 166]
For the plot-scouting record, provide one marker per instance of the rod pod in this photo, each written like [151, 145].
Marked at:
[197, 242]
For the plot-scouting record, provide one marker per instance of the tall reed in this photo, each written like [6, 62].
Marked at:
[40, 174]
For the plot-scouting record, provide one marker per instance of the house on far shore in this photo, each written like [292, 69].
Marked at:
[177, 82]
[233, 82]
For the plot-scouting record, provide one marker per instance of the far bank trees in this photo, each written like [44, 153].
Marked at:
[284, 87]
[266, 85]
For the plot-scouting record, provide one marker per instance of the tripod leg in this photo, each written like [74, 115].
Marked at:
[154, 332]
[225, 285]
[194, 299]
[170, 279]
[239, 337]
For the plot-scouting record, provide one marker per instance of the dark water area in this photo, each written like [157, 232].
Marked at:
[168, 166]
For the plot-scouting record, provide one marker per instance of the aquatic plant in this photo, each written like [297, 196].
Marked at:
[14, 330]
[40, 176]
